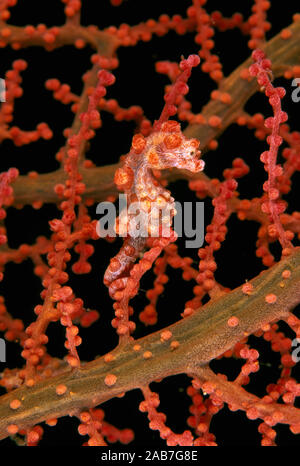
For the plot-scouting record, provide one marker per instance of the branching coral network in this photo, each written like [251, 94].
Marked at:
[216, 322]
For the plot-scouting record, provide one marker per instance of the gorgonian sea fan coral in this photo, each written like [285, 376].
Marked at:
[195, 339]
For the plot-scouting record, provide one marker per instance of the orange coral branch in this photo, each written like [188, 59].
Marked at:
[200, 338]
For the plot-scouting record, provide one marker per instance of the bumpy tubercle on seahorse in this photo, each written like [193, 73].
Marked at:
[162, 149]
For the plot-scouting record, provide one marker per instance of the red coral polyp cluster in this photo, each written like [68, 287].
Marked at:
[141, 278]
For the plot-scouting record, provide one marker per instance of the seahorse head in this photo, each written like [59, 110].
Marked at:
[168, 148]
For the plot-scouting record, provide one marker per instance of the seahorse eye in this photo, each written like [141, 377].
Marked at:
[192, 152]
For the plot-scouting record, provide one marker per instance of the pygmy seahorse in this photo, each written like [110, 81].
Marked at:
[162, 149]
